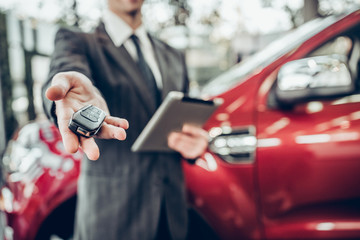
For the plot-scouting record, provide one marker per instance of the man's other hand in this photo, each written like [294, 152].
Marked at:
[191, 142]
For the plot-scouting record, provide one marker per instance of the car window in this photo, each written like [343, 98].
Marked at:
[273, 51]
[341, 45]
[346, 44]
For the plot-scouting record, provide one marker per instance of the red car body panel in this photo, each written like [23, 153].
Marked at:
[293, 187]
[43, 188]
[302, 183]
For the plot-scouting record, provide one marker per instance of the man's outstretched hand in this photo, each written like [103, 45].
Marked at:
[72, 91]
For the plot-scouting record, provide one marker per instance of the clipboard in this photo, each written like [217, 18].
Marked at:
[176, 110]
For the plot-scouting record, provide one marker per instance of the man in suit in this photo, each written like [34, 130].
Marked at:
[122, 195]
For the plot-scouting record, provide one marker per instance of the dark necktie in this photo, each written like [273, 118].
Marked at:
[146, 71]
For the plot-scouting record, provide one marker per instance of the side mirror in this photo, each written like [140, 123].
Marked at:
[313, 78]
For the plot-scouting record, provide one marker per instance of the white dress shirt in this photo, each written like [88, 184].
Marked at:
[120, 32]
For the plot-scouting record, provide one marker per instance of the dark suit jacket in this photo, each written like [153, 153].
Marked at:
[120, 195]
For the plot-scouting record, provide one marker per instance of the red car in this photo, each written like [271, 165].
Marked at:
[283, 162]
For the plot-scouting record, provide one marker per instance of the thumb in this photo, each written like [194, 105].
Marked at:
[56, 92]
[59, 87]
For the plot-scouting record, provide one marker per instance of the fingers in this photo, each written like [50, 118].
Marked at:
[195, 131]
[70, 140]
[90, 148]
[118, 122]
[112, 132]
[113, 128]
[190, 143]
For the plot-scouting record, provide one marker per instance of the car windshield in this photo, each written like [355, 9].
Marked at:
[259, 60]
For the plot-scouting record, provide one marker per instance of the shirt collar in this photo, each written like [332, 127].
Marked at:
[119, 31]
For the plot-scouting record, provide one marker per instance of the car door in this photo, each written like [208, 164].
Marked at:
[308, 155]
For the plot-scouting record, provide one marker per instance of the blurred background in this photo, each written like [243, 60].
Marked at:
[214, 34]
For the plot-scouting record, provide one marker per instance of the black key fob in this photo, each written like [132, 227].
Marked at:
[87, 121]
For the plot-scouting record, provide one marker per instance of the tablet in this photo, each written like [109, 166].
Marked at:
[176, 110]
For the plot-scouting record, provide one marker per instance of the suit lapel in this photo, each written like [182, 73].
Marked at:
[127, 64]
[164, 67]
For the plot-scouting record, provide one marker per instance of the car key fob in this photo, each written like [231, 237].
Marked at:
[87, 121]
